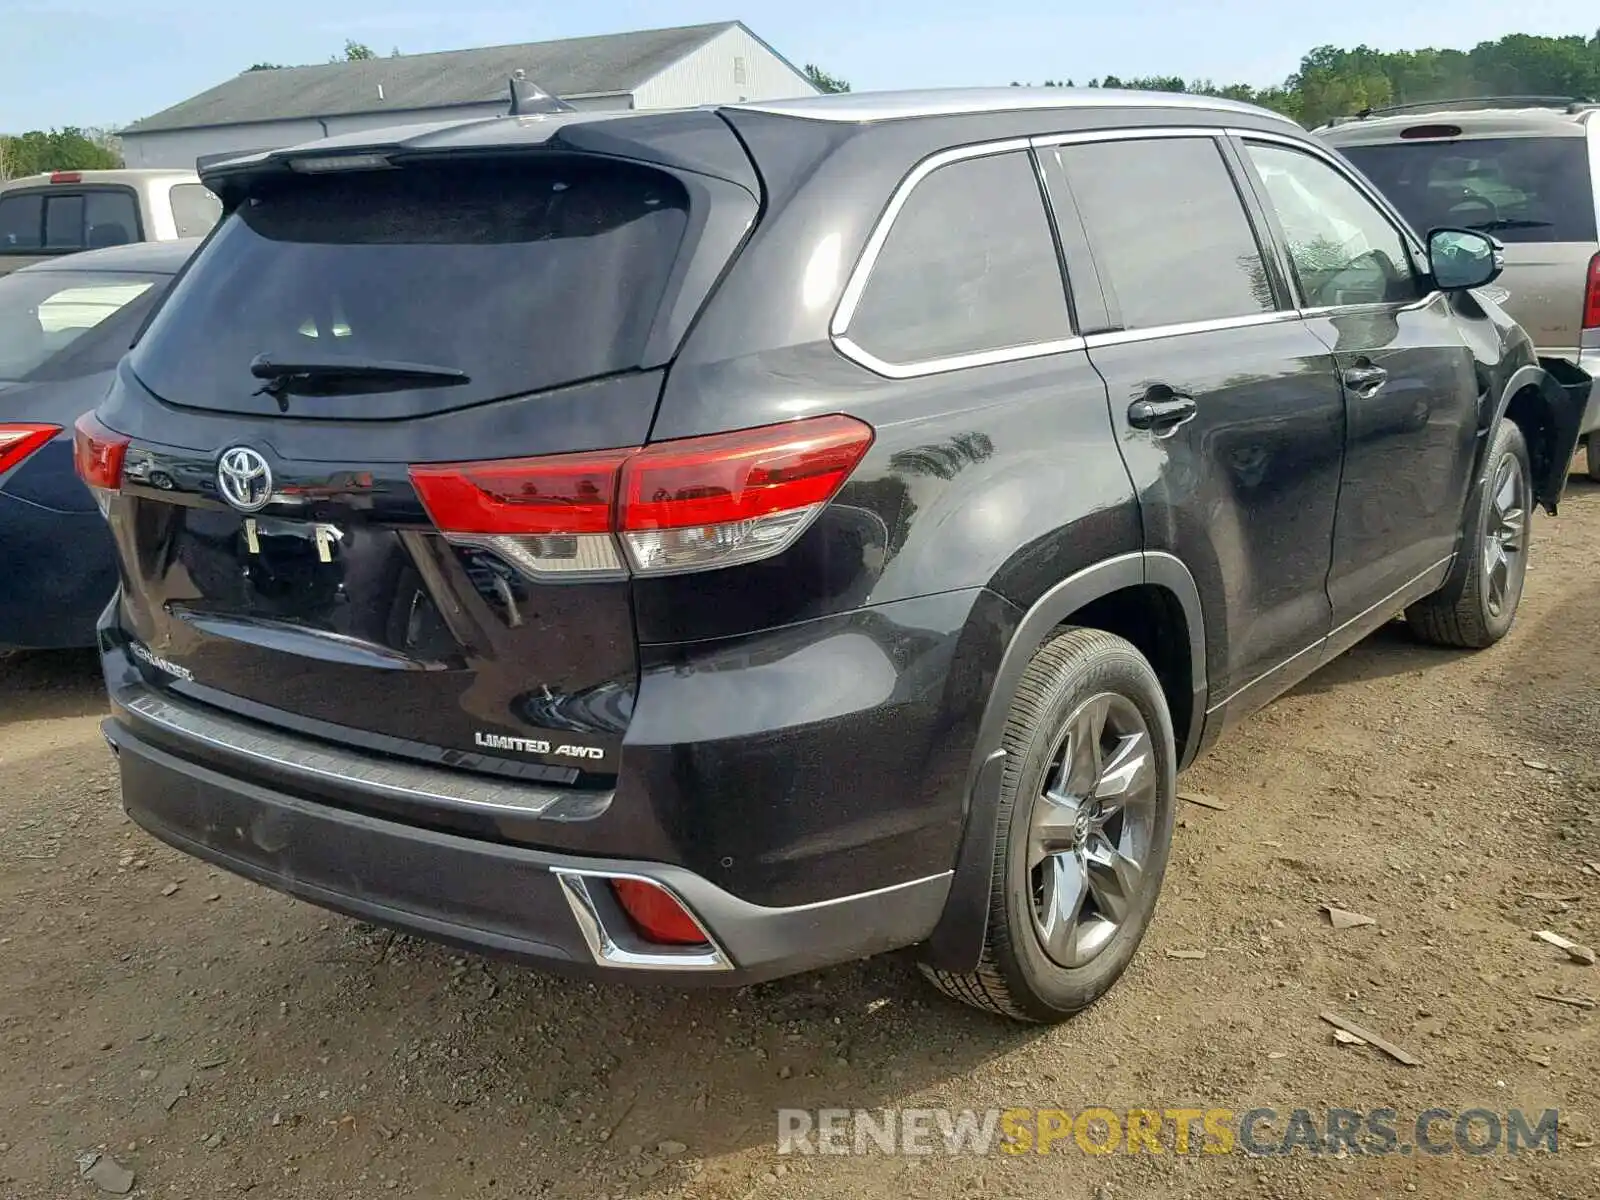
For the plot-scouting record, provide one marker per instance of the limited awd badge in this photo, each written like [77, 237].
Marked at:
[244, 478]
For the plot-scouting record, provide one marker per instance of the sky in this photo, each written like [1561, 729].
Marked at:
[110, 62]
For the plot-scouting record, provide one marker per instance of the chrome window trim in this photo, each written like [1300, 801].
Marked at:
[954, 362]
[1119, 337]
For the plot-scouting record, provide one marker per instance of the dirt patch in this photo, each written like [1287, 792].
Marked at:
[216, 1038]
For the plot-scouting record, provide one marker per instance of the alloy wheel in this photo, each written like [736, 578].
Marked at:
[1091, 829]
[1505, 538]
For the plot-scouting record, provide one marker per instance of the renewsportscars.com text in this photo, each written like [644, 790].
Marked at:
[1260, 1132]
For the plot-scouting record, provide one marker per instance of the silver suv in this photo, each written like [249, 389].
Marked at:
[1527, 171]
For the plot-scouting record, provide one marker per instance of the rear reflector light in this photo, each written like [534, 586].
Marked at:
[66, 177]
[694, 504]
[1591, 296]
[97, 454]
[656, 914]
[17, 441]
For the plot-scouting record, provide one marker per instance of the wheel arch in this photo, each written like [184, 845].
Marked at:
[1549, 411]
[1138, 593]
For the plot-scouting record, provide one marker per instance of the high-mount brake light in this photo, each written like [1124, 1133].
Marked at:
[688, 505]
[66, 176]
[323, 164]
[97, 454]
[18, 439]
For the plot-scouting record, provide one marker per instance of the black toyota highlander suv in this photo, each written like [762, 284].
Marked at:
[709, 545]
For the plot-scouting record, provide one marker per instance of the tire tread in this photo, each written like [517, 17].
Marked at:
[985, 987]
[1463, 623]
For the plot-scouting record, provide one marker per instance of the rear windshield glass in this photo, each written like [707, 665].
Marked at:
[1518, 189]
[522, 276]
[47, 317]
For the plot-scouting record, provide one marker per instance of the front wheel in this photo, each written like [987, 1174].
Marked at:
[1497, 537]
[1591, 455]
[1084, 830]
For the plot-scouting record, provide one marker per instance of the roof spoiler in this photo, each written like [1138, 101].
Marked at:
[202, 162]
[528, 99]
[1571, 104]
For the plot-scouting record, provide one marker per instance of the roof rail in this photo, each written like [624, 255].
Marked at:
[1571, 104]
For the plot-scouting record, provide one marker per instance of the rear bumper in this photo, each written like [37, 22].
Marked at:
[1589, 364]
[545, 908]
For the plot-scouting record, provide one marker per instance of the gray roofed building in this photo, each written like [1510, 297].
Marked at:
[287, 106]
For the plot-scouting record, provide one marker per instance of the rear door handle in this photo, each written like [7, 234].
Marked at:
[1365, 380]
[1162, 410]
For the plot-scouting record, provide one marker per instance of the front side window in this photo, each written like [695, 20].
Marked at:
[969, 266]
[1170, 236]
[1342, 248]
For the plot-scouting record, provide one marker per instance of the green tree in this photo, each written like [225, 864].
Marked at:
[68, 149]
[357, 52]
[823, 81]
[1333, 81]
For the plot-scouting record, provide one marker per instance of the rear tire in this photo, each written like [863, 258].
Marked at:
[1591, 455]
[1497, 537]
[1084, 830]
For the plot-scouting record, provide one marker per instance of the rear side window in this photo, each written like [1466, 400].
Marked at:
[969, 266]
[1519, 189]
[59, 324]
[21, 222]
[523, 276]
[194, 209]
[1170, 236]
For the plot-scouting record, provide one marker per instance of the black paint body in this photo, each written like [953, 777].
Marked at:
[823, 723]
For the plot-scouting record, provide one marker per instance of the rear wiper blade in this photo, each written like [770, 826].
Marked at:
[342, 376]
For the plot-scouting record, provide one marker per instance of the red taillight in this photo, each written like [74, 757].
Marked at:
[97, 453]
[66, 176]
[656, 914]
[684, 505]
[17, 441]
[1591, 296]
[561, 494]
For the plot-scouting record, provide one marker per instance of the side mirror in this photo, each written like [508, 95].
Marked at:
[1460, 258]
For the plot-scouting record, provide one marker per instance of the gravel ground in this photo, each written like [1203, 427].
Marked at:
[214, 1038]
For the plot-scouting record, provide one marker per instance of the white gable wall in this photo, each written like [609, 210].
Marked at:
[733, 66]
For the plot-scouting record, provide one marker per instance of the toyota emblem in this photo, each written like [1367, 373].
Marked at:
[244, 479]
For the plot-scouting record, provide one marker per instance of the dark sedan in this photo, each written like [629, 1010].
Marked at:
[63, 326]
